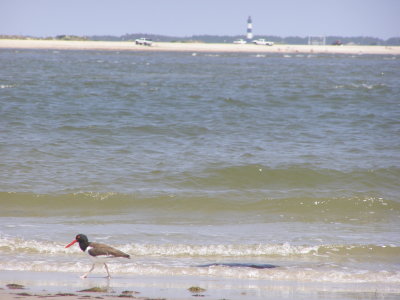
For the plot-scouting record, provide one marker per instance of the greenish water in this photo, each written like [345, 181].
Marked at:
[185, 160]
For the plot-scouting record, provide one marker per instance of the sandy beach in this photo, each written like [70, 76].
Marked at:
[197, 47]
[59, 285]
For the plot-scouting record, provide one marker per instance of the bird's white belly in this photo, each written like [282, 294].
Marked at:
[98, 259]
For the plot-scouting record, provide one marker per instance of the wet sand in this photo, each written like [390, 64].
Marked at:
[65, 285]
[196, 47]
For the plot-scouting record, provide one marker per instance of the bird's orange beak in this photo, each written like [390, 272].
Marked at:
[70, 244]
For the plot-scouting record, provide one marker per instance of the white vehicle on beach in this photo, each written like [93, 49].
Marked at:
[263, 42]
[144, 42]
[239, 41]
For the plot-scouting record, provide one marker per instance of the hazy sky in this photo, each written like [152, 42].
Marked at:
[377, 18]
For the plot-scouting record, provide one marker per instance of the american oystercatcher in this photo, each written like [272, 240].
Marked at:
[99, 253]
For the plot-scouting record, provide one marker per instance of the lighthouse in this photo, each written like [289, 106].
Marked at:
[249, 35]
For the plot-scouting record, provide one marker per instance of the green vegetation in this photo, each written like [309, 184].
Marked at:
[196, 289]
[65, 294]
[71, 38]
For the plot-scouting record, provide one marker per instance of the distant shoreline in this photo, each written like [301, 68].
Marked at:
[196, 47]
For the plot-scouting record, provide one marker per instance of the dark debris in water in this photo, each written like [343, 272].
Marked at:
[15, 286]
[239, 265]
[24, 294]
[94, 290]
[128, 294]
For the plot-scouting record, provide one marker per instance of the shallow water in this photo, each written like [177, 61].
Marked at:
[184, 160]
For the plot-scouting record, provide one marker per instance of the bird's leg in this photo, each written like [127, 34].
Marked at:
[108, 273]
[86, 274]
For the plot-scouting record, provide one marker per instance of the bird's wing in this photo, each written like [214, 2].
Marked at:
[97, 249]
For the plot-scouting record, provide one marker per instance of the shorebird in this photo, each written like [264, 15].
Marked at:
[99, 253]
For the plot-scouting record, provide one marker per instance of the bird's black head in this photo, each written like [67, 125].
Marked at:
[81, 238]
[83, 241]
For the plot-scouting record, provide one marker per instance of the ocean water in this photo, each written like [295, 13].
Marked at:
[203, 165]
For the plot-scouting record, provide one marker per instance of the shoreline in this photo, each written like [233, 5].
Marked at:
[64, 285]
[196, 47]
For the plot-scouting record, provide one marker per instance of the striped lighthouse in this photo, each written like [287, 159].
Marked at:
[249, 35]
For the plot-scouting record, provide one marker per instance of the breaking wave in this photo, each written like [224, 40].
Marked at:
[17, 245]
